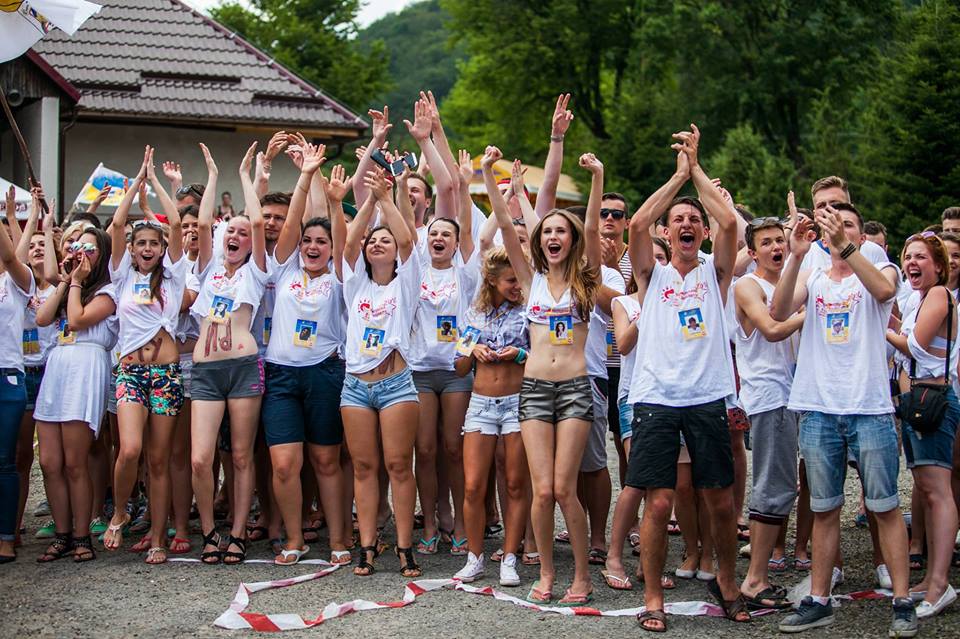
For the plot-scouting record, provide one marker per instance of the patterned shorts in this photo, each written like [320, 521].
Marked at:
[738, 419]
[157, 387]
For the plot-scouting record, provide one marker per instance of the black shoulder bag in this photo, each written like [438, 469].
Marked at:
[925, 404]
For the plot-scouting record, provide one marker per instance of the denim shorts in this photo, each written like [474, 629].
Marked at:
[33, 375]
[302, 403]
[626, 419]
[554, 402]
[871, 441]
[439, 382]
[157, 387]
[493, 415]
[380, 394]
[936, 448]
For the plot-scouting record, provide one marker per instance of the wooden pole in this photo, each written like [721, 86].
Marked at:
[23, 146]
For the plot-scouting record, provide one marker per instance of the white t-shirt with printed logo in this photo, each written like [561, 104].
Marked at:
[842, 362]
[140, 322]
[684, 349]
[628, 361]
[596, 348]
[245, 287]
[309, 315]
[444, 297]
[13, 300]
[379, 317]
[187, 325]
[37, 340]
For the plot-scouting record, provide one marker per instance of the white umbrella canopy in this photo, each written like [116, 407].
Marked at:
[22, 199]
[23, 22]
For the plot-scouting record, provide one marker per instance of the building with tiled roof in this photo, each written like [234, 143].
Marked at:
[158, 72]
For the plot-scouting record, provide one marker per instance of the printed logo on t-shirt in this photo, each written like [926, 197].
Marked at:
[301, 292]
[374, 313]
[670, 295]
[446, 290]
[836, 316]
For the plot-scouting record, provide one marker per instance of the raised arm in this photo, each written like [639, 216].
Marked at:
[749, 298]
[881, 285]
[118, 239]
[624, 330]
[465, 215]
[530, 218]
[205, 216]
[336, 189]
[380, 186]
[19, 271]
[403, 199]
[251, 205]
[641, 245]
[51, 270]
[357, 229]
[562, 117]
[381, 127]
[591, 226]
[175, 245]
[445, 203]
[791, 291]
[509, 234]
[440, 139]
[171, 171]
[100, 199]
[289, 237]
[33, 217]
[278, 141]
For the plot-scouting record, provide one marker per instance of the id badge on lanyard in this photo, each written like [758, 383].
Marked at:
[692, 325]
[220, 309]
[142, 294]
[305, 333]
[838, 327]
[561, 330]
[372, 342]
[65, 335]
[468, 341]
[447, 328]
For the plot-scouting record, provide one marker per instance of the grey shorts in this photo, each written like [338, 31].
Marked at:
[595, 452]
[556, 401]
[186, 372]
[227, 378]
[112, 392]
[439, 382]
[774, 436]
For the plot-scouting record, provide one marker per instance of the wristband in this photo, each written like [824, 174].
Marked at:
[521, 357]
[556, 138]
[72, 284]
[848, 251]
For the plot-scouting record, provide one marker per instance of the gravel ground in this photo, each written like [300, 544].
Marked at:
[119, 596]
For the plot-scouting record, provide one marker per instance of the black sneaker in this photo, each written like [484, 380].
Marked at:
[808, 615]
[905, 622]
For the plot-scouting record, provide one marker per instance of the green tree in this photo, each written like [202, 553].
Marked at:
[757, 178]
[909, 167]
[316, 39]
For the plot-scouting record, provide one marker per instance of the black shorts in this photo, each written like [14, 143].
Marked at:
[224, 379]
[613, 405]
[656, 444]
[302, 403]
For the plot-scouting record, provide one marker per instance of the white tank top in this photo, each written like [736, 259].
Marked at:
[627, 362]
[542, 305]
[842, 362]
[684, 351]
[766, 368]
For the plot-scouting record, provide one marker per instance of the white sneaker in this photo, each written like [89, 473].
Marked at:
[926, 609]
[508, 570]
[883, 577]
[473, 570]
[836, 579]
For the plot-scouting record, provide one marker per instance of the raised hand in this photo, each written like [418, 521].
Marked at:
[562, 116]
[376, 180]
[151, 169]
[490, 156]
[608, 252]
[142, 201]
[723, 191]
[360, 151]
[101, 196]
[432, 109]
[208, 159]
[246, 162]
[313, 157]
[263, 167]
[831, 222]
[278, 141]
[147, 161]
[380, 124]
[338, 185]
[296, 156]
[12, 198]
[689, 143]
[421, 126]
[590, 162]
[801, 239]
[465, 165]
[171, 170]
[516, 179]
[82, 270]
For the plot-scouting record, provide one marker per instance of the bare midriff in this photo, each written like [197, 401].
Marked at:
[229, 340]
[497, 380]
[159, 351]
[393, 364]
[556, 362]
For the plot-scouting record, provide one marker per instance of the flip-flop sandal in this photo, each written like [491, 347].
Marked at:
[563, 537]
[256, 533]
[538, 596]
[571, 600]
[179, 546]
[652, 615]
[597, 557]
[770, 598]
[458, 546]
[61, 547]
[142, 545]
[340, 557]
[492, 530]
[777, 565]
[117, 530]
[730, 608]
[802, 564]
[531, 559]
[497, 556]
[615, 582]
[666, 582]
[673, 527]
[916, 561]
[153, 553]
[428, 546]
[291, 557]
[743, 532]
[634, 539]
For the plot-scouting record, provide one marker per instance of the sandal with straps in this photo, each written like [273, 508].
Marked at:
[732, 608]
[364, 565]
[409, 568]
[238, 557]
[212, 539]
[59, 548]
[83, 549]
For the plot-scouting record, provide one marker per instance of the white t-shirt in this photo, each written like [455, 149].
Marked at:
[219, 293]
[37, 340]
[309, 315]
[684, 352]
[102, 334]
[445, 295]
[842, 363]
[597, 346]
[379, 317]
[140, 315]
[263, 320]
[628, 361]
[477, 219]
[818, 256]
[766, 368]
[187, 325]
[13, 300]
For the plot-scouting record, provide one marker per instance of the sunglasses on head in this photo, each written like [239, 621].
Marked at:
[765, 221]
[616, 214]
[150, 224]
[189, 189]
[86, 247]
[925, 235]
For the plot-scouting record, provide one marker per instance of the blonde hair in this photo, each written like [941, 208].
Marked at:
[830, 182]
[495, 261]
[583, 279]
[77, 227]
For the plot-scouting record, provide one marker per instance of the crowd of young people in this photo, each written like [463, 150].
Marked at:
[318, 353]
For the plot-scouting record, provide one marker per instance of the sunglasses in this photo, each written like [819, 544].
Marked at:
[616, 214]
[184, 191]
[925, 235]
[150, 224]
[765, 221]
[87, 247]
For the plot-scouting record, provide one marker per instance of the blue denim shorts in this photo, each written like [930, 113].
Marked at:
[936, 448]
[380, 394]
[302, 403]
[626, 419]
[33, 375]
[871, 441]
[493, 415]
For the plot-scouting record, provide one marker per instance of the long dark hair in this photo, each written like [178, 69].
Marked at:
[100, 273]
[366, 242]
[158, 272]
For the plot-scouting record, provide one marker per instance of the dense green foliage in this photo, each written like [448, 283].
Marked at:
[315, 38]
